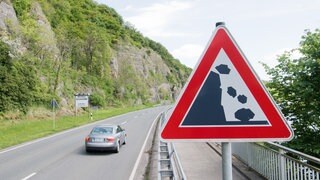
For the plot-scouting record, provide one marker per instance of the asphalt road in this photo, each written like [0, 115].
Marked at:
[63, 156]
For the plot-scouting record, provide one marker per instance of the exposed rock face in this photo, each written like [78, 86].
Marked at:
[144, 61]
[9, 26]
[146, 64]
[47, 41]
[10, 31]
[114, 67]
[8, 18]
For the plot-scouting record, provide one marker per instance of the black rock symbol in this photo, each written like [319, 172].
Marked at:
[232, 92]
[242, 99]
[223, 69]
[244, 114]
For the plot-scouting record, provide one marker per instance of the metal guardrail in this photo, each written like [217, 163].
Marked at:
[273, 161]
[178, 167]
[169, 166]
[165, 168]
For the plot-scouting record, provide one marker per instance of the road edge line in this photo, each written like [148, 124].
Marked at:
[28, 177]
[134, 170]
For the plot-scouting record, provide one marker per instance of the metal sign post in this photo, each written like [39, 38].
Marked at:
[54, 117]
[54, 105]
[75, 110]
[226, 161]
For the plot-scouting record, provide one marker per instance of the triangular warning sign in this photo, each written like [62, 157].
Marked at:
[224, 100]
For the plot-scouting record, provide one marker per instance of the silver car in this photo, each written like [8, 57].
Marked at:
[106, 137]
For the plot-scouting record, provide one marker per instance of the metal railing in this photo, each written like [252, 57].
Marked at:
[273, 161]
[178, 167]
[169, 166]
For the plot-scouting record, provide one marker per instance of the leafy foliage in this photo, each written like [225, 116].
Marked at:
[22, 7]
[20, 87]
[5, 59]
[295, 85]
[96, 100]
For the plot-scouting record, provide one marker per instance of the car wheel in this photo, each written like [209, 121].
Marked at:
[118, 147]
[88, 150]
[125, 140]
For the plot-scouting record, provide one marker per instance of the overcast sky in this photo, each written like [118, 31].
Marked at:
[262, 29]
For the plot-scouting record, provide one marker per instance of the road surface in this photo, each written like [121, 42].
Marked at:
[63, 156]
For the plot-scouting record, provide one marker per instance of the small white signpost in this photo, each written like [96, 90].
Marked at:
[81, 100]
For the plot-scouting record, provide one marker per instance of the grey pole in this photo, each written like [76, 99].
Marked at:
[75, 109]
[54, 113]
[226, 161]
[75, 105]
[226, 148]
[220, 24]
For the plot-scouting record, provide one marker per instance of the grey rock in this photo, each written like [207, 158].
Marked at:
[47, 40]
[146, 64]
[8, 17]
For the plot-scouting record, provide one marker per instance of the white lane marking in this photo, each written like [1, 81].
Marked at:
[28, 177]
[125, 122]
[58, 134]
[133, 172]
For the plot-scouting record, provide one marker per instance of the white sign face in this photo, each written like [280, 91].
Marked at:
[232, 104]
[82, 101]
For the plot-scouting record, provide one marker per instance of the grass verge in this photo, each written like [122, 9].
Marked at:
[26, 130]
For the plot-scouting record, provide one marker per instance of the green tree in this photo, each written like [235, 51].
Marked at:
[5, 59]
[20, 87]
[295, 85]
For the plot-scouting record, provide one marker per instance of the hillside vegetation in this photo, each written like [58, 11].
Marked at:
[52, 49]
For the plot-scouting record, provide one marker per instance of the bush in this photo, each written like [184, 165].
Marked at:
[20, 86]
[96, 100]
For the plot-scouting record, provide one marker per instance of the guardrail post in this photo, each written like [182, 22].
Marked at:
[282, 164]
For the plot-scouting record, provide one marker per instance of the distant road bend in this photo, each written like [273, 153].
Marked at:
[63, 156]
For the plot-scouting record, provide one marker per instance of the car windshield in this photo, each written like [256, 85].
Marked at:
[102, 130]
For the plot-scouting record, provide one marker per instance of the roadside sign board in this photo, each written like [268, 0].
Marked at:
[224, 100]
[82, 100]
[54, 103]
